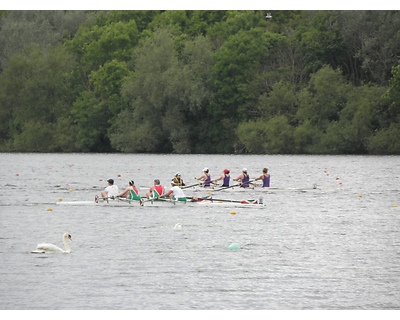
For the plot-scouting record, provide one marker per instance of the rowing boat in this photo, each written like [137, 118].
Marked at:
[148, 203]
[209, 202]
[250, 189]
[109, 203]
[228, 204]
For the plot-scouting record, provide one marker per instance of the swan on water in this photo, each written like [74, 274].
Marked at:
[51, 248]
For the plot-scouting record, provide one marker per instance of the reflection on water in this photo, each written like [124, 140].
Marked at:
[336, 247]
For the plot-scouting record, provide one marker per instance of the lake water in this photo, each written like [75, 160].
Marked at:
[336, 247]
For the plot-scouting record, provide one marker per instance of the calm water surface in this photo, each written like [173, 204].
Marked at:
[336, 247]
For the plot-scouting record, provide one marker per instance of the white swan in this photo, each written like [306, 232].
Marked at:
[51, 248]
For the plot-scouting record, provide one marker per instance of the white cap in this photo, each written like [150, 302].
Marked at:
[244, 170]
[205, 169]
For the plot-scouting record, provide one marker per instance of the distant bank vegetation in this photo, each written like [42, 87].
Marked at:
[301, 82]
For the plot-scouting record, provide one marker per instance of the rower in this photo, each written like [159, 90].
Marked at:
[127, 192]
[178, 180]
[156, 190]
[205, 177]
[110, 191]
[244, 178]
[225, 177]
[175, 193]
[265, 177]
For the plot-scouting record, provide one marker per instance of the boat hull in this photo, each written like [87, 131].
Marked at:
[166, 203]
[248, 190]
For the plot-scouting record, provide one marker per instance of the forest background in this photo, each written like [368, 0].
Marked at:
[187, 81]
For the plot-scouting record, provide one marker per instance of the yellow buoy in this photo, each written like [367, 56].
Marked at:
[59, 199]
[49, 209]
[359, 196]
[233, 212]
[394, 205]
[70, 190]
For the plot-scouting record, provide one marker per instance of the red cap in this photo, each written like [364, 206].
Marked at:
[226, 171]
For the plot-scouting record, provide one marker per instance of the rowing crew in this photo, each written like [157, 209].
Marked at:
[175, 194]
[243, 178]
[132, 193]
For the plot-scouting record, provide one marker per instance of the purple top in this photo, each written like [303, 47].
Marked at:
[265, 180]
[226, 181]
[207, 182]
[245, 181]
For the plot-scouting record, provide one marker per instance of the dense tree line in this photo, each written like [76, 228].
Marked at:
[301, 82]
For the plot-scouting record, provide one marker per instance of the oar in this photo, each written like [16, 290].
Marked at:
[235, 185]
[198, 184]
[236, 201]
[224, 200]
[97, 199]
[129, 200]
[157, 199]
[198, 198]
[193, 185]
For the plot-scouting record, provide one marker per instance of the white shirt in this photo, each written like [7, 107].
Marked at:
[112, 191]
[177, 192]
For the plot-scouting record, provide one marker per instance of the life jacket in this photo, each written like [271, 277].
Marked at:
[178, 181]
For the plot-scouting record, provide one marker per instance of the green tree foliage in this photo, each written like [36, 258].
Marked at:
[322, 43]
[35, 99]
[142, 18]
[273, 137]
[334, 117]
[232, 22]
[358, 119]
[306, 138]
[386, 140]
[236, 75]
[95, 110]
[323, 98]
[95, 45]
[281, 100]
[20, 29]
[373, 42]
[165, 94]
[103, 50]
[200, 81]
[392, 98]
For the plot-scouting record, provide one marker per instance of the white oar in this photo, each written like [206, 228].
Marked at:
[97, 198]
[193, 185]
[225, 200]
[129, 200]
[235, 185]
[158, 199]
